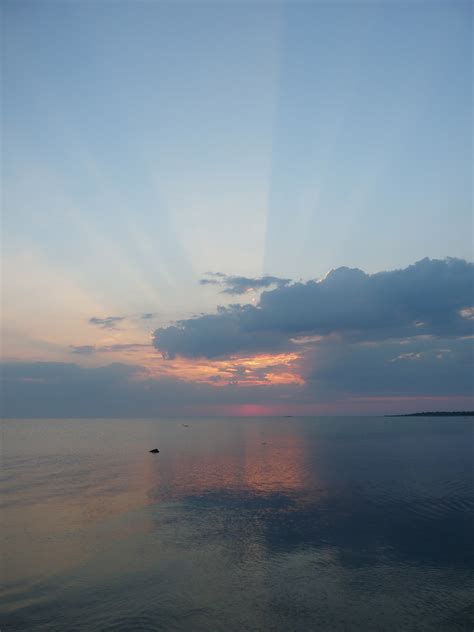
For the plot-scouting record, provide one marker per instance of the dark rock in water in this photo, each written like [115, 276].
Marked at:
[154, 451]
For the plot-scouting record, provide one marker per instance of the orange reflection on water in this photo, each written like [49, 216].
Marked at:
[257, 461]
[90, 482]
[54, 520]
[278, 464]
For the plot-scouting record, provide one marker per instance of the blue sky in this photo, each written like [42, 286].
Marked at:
[148, 143]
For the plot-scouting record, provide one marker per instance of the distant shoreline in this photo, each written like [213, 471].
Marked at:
[438, 413]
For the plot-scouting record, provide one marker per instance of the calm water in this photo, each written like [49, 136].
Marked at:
[238, 524]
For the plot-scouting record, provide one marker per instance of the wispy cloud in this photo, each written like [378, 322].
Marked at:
[83, 349]
[91, 349]
[109, 322]
[403, 357]
[237, 285]
[209, 282]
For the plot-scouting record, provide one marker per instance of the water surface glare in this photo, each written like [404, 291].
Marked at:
[238, 524]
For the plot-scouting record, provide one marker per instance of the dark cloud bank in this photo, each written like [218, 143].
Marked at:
[57, 389]
[400, 334]
[427, 298]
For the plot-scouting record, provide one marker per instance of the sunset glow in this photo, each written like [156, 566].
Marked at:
[237, 315]
[256, 205]
[255, 370]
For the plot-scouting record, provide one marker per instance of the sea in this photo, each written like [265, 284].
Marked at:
[259, 524]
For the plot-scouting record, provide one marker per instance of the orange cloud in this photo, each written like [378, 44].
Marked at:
[251, 370]
[262, 369]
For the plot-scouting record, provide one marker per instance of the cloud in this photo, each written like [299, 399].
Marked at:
[83, 349]
[57, 389]
[339, 378]
[209, 282]
[357, 343]
[428, 298]
[467, 313]
[237, 285]
[407, 356]
[241, 285]
[90, 349]
[216, 335]
[109, 322]
[423, 367]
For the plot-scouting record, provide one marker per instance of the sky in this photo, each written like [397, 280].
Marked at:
[236, 208]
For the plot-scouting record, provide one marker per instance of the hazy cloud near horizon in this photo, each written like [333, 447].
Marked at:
[57, 389]
[430, 297]
[339, 379]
